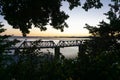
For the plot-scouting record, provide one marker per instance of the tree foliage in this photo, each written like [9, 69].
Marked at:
[3, 39]
[105, 29]
[100, 59]
[22, 14]
[5, 59]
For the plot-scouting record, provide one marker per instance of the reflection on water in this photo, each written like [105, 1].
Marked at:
[70, 52]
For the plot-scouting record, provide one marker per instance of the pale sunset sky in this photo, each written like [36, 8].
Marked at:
[77, 20]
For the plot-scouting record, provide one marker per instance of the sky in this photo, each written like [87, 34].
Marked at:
[77, 20]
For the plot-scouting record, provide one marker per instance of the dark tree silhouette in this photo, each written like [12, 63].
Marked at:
[2, 38]
[111, 28]
[5, 60]
[4, 43]
[22, 14]
[100, 59]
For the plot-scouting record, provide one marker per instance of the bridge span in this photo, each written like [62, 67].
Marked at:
[48, 44]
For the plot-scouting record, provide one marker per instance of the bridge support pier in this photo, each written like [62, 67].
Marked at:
[81, 48]
[57, 52]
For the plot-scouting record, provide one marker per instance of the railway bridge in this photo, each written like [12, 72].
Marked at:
[48, 44]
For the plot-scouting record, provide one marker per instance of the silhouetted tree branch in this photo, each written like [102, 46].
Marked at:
[22, 14]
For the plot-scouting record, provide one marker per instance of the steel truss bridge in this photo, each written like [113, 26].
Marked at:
[47, 44]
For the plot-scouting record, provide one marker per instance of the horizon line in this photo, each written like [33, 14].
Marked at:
[55, 36]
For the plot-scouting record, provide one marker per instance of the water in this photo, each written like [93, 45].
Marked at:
[68, 52]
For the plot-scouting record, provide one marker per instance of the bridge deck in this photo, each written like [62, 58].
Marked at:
[47, 44]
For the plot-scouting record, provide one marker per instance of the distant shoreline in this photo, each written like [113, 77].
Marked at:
[52, 37]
